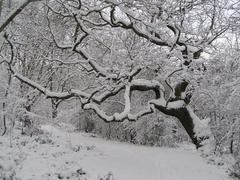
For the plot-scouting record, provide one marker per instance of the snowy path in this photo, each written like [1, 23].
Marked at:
[98, 157]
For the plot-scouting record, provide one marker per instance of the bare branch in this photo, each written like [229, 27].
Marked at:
[60, 46]
[14, 13]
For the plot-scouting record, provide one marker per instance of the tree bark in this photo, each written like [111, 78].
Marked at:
[5, 104]
[189, 121]
[4, 119]
[54, 109]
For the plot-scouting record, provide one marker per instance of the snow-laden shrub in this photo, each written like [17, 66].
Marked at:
[7, 174]
[156, 131]
[235, 172]
[108, 176]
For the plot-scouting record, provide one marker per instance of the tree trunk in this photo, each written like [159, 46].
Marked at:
[191, 123]
[9, 4]
[231, 144]
[4, 119]
[27, 119]
[54, 109]
[4, 103]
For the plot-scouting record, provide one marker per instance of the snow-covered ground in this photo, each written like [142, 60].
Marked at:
[69, 155]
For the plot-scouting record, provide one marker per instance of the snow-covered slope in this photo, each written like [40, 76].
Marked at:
[69, 155]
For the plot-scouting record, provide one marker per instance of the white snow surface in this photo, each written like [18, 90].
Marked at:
[60, 153]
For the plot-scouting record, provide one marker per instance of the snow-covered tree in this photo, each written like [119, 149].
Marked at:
[170, 36]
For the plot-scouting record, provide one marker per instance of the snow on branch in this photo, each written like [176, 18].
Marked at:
[127, 107]
[96, 67]
[116, 116]
[93, 100]
[118, 15]
[148, 110]
[146, 85]
[125, 114]
[47, 92]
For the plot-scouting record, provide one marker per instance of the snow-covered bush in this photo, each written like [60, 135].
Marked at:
[236, 169]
